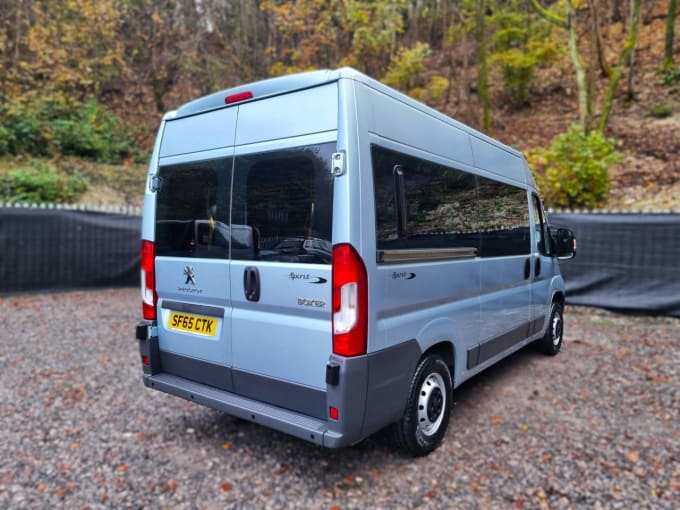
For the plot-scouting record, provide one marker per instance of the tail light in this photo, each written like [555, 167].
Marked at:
[149, 296]
[239, 96]
[350, 302]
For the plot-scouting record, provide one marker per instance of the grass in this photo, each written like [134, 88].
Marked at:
[106, 184]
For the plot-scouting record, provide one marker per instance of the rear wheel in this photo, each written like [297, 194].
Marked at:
[551, 342]
[426, 417]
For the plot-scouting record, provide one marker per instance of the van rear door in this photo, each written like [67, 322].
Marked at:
[192, 240]
[281, 291]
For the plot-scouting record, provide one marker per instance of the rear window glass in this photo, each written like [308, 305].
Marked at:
[277, 207]
[285, 198]
[192, 209]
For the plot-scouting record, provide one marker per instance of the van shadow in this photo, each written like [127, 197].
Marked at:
[327, 469]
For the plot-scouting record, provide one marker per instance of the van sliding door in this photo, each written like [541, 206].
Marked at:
[505, 266]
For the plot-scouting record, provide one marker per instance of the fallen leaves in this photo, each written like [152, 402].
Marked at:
[226, 486]
[658, 378]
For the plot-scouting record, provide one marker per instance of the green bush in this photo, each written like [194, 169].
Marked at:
[54, 128]
[661, 111]
[39, 185]
[519, 44]
[574, 170]
[669, 74]
[22, 132]
[405, 71]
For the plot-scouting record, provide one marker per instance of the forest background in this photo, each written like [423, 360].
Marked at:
[589, 90]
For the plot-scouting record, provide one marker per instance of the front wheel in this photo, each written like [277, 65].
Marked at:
[426, 417]
[551, 342]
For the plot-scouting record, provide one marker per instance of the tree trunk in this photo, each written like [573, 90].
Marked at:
[630, 63]
[585, 102]
[596, 34]
[616, 11]
[670, 33]
[583, 85]
[617, 72]
[630, 93]
[483, 71]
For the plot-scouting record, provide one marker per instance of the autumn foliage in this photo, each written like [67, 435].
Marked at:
[93, 78]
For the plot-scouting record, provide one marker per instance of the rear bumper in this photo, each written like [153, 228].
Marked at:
[298, 425]
[369, 391]
[303, 426]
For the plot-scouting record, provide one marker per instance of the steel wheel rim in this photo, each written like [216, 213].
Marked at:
[431, 404]
[557, 329]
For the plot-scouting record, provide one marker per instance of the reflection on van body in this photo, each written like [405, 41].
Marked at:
[326, 256]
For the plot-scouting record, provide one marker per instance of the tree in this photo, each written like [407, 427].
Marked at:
[375, 27]
[305, 35]
[617, 71]
[584, 86]
[482, 71]
[72, 47]
[670, 33]
[157, 42]
[520, 42]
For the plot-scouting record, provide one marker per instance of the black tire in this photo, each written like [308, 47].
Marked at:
[551, 343]
[426, 416]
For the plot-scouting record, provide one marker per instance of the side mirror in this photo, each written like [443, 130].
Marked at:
[563, 243]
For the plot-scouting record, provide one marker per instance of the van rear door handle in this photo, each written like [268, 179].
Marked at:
[251, 283]
[527, 269]
[537, 267]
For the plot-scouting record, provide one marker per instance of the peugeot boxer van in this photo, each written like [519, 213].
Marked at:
[327, 257]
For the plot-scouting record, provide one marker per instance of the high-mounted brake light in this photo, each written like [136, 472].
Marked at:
[350, 302]
[239, 96]
[148, 280]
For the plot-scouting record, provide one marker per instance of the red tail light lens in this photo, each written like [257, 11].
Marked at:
[148, 282]
[350, 302]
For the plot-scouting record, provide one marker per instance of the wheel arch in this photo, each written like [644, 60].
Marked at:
[446, 350]
[436, 338]
[558, 297]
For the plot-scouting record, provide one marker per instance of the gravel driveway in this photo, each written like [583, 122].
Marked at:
[598, 426]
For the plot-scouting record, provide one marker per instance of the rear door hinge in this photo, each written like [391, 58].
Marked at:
[155, 183]
[338, 164]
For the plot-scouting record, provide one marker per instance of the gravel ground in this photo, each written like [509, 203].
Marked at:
[595, 427]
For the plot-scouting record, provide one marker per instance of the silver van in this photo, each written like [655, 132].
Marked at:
[327, 257]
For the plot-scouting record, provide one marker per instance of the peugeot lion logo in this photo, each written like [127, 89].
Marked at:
[189, 273]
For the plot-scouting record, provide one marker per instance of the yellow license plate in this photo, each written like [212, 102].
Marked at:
[193, 323]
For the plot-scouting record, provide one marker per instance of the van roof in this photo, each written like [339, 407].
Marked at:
[294, 82]
[259, 90]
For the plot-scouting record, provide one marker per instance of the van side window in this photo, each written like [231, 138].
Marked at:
[284, 200]
[440, 203]
[540, 227]
[503, 219]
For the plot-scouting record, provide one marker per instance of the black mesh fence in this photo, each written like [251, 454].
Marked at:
[49, 249]
[625, 262]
